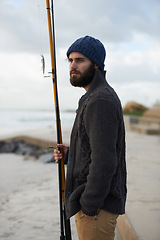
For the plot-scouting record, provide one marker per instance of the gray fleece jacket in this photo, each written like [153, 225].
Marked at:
[96, 175]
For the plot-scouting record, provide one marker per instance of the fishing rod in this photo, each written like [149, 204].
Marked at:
[64, 222]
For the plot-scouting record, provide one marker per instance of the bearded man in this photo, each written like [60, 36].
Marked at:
[95, 190]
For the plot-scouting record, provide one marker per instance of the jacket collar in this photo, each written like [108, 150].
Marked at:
[98, 79]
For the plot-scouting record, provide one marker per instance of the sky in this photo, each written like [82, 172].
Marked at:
[128, 29]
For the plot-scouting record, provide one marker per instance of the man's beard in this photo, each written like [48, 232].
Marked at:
[84, 79]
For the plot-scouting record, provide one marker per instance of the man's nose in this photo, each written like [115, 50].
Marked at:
[73, 65]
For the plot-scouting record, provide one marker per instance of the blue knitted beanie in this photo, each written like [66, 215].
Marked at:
[91, 48]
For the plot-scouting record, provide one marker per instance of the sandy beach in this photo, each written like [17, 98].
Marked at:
[29, 206]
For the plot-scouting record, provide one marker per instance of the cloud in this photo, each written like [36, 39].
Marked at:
[142, 92]
[22, 83]
[24, 25]
[128, 29]
[20, 27]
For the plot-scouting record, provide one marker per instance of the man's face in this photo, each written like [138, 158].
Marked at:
[81, 70]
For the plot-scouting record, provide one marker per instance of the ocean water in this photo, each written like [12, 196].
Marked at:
[16, 120]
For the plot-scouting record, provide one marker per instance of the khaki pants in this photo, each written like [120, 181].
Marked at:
[102, 227]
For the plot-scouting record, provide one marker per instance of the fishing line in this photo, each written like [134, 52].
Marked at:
[41, 35]
[39, 9]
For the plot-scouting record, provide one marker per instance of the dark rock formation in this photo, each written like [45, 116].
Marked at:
[20, 147]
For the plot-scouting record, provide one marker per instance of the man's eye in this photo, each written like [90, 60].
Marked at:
[80, 60]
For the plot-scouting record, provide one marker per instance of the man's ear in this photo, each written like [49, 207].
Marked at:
[96, 66]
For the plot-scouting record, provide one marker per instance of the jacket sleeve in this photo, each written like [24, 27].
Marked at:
[66, 157]
[101, 124]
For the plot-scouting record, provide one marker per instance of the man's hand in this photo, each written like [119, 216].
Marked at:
[57, 153]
